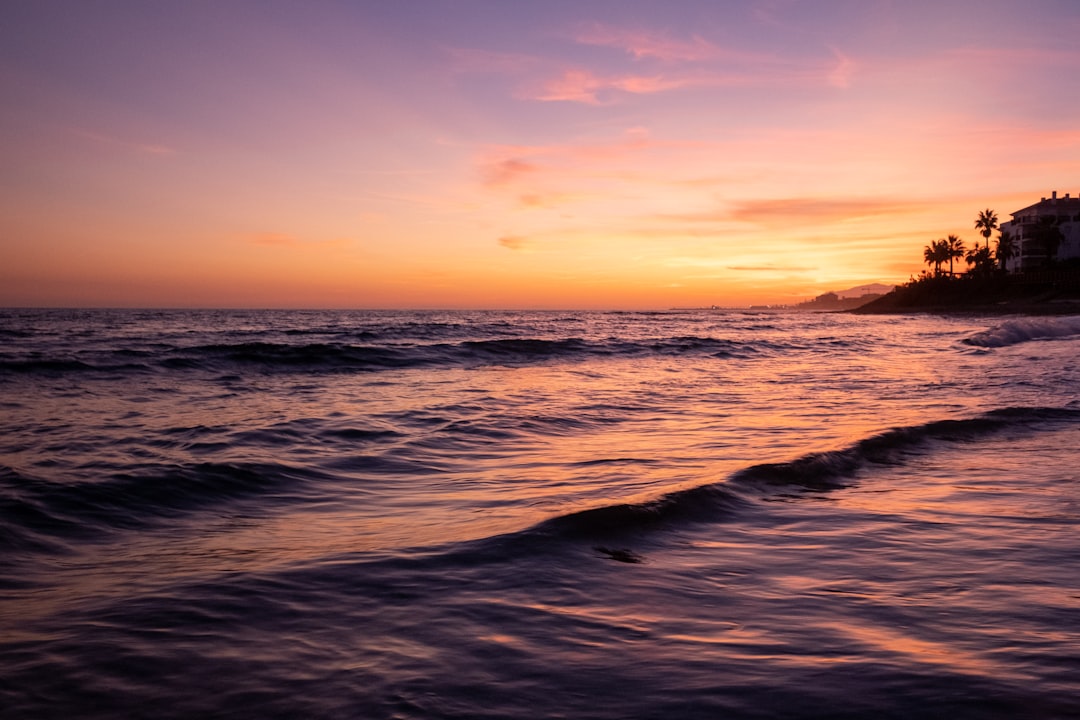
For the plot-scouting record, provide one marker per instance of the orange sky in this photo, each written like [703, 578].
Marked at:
[512, 155]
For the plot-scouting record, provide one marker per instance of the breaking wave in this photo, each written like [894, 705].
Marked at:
[1015, 332]
[42, 516]
[815, 472]
[342, 357]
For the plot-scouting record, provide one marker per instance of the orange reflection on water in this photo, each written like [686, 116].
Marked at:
[879, 640]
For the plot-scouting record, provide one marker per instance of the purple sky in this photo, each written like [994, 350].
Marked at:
[501, 154]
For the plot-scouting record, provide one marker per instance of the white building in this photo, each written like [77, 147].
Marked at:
[1031, 251]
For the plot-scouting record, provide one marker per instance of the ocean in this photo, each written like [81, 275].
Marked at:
[684, 514]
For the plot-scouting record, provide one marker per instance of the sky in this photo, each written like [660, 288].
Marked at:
[591, 154]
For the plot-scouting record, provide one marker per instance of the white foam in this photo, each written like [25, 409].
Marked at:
[1014, 332]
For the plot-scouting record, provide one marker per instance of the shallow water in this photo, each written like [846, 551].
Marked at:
[598, 515]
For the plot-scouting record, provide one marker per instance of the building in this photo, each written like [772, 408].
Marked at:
[1032, 230]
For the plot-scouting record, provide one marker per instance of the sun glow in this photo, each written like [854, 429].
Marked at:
[599, 162]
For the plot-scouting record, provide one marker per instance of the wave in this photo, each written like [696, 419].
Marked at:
[1015, 332]
[36, 514]
[340, 357]
[815, 472]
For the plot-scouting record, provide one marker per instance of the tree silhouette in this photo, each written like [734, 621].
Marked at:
[986, 224]
[954, 248]
[934, 254]
[1006, 248]
[980, 261]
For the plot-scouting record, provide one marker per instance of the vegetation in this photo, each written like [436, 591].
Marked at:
[986, 223]
[935, 254]
[943, 251]
[1006, 249]
[986, 286]
[980, 261]
[954, 250]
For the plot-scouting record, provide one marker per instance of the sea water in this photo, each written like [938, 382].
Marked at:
[685, 514]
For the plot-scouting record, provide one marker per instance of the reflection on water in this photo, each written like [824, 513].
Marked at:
[537, 515]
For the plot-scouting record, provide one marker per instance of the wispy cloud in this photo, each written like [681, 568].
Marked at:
[548, 200]
[695, 61]
[802, 210]
[510, 165]
[571, 86]
[130, 145]
[504, 171]
[720, 263]
[771, 268]
[514, 242]
[660, 63]
[843, 71]
[648, 44]
[585, 87]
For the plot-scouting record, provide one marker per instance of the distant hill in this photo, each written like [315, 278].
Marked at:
[846, 299]
[861, 290]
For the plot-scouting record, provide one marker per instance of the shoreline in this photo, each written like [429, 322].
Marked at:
[1048, 293]
[1054, 308]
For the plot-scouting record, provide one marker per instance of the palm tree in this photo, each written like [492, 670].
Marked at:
[932, 255]
[954, 248]
[986, 224]
[936, 254]
[980, 261]
[1006, 248]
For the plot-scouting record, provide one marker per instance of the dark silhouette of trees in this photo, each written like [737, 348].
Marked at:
[1006, 248]
[986, 223]
[954, 248]
[935, 254]
[942, 251]
[983, 285]
[980, 261]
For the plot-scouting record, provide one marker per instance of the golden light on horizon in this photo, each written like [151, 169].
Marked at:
[600, 162]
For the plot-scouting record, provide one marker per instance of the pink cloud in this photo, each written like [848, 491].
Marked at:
[842, 72]
[803, 211]
[586, 87]
[572, 86]
[507, 165]
[818, 210]
[717, 66]
[643, 44]
[694, 62]
[505, 171]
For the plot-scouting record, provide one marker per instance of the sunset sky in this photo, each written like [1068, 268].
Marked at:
[461, 154]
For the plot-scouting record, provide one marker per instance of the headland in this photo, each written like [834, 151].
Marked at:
[1048, 292]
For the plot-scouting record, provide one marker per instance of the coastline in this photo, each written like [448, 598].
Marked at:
[1030, 294]
[1063, 307]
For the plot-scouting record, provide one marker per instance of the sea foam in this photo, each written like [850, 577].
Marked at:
[1015, 332]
